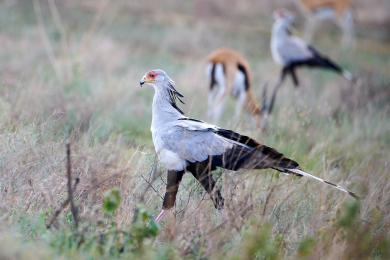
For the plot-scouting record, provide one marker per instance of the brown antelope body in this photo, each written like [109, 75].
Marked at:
[229, 73]
[340, 11]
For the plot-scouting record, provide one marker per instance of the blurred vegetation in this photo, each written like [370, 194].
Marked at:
[69, 70]
[104, 239]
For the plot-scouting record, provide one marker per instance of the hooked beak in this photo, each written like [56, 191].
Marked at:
[141, 83]
[145, 80]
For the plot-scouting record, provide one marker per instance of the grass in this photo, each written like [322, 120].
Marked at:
[70, 72]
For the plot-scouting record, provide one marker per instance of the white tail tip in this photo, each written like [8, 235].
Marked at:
[348, 75]
[300, 172]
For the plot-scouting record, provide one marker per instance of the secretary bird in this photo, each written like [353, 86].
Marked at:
[185, 144]
[292, 52]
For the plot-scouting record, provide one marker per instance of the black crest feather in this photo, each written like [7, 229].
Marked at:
[175, 95]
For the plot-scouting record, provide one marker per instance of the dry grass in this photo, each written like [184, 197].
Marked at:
[69, 71]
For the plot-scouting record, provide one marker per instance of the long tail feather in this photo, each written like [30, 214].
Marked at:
[300, 172]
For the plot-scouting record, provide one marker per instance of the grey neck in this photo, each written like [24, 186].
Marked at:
[280, 29]
[163, 111]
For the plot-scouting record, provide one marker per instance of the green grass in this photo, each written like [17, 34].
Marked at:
[76, 79]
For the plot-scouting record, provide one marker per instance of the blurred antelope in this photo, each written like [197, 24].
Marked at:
[230, 73]
[339, 11]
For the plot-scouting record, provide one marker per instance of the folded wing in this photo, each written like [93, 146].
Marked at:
[196, 142]
[294, 49]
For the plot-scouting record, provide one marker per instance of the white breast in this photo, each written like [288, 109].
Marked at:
[275, 52]
[171, 160]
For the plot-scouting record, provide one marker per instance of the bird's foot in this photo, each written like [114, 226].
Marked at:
[160, 216]
[163, 213]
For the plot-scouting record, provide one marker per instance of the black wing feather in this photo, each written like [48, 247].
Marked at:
[255, 155]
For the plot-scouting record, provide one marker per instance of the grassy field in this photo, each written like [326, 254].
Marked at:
[69, 72]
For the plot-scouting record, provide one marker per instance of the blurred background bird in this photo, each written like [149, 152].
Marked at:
[292, 53]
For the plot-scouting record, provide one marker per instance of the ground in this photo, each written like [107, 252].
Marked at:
[69, 74]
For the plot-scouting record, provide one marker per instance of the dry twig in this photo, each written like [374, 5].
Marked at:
[73, 208]
[69, 199]
[62, 206]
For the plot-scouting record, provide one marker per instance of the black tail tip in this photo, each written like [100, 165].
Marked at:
[354, 195]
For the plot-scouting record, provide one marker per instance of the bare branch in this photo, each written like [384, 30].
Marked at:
[152, 177]
[62, 206]
[73, 208]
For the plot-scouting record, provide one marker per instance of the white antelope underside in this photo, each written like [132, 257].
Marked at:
[219, 91]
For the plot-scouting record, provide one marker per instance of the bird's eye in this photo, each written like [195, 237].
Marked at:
[152, 75]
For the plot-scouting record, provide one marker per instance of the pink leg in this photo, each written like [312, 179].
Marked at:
[160, 216]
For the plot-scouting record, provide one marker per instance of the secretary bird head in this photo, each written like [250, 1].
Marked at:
[185, 144]
[154, 77]
[164, 86]
[284, 16]
[160, 80]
